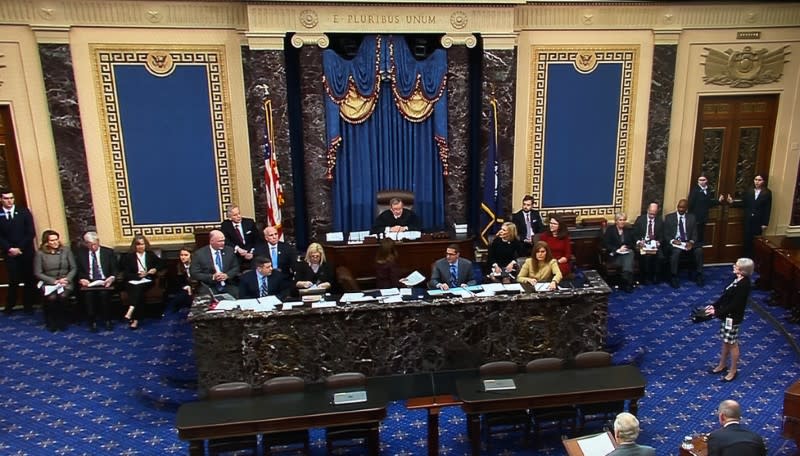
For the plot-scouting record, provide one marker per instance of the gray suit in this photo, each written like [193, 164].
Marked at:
[202, 268]
[441, 273]
[633, 449]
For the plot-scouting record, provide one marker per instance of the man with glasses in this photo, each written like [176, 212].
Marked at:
[97, 269]
[452, 271]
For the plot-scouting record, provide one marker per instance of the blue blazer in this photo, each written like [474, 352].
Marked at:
[277, 285]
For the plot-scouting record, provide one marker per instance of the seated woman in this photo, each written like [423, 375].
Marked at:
[557, 237]
[139, 263]
[387, 272]
[55, 265]
[540, 267]
[314, 271]
[504, 251]
[183, 282]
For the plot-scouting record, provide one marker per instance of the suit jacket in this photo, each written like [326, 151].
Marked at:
[108, 263]
[757, 210]
[17, 232]
[277, 285]
[700, 203]
[613, 241]
[202, 268]
[671, 227]
[735, 440]
[386, 219]
[325, 273]
[129, 265]
[640, 228]
[633, 449]
[522, 230]
[441, 272]
[252, 237]
[733, 301]
[287, 256]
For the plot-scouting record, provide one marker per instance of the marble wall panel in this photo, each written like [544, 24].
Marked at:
[499, 80]
[62, 100]
[319, 195]
[265, 79]
[457, 182]
[661, 89]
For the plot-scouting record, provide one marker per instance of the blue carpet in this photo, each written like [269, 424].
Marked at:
[77, 393]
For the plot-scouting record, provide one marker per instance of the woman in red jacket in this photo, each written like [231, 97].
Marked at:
[557, 237]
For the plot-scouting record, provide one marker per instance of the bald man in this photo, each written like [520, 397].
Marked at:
[283, 255]
[216, 265]
[733, 438]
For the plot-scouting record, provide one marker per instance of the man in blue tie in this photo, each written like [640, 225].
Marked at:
[263, 280]
[452, 270]
[282, 254]
[97, 269]
[216, 265]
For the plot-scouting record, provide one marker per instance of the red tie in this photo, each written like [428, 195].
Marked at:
[650, 230]
[239, 233]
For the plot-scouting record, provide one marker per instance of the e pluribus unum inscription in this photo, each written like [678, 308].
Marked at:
[400, 19]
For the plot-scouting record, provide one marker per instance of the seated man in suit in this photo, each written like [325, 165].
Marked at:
[263, 281]
[680, 235]
[528, 221]
[397, 219]
[283, 255]
[626, 430]
[96, 263]
[733, 438]
[649, 230]
[216, 265]
[452, 271]
[240, 234]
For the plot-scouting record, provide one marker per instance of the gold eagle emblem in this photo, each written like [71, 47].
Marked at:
[744, 68]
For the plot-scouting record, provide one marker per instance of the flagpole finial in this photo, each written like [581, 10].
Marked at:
[264, 89]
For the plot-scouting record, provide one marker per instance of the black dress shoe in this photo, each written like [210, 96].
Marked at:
[93, 327]
[109, 326]
[700, 281]
[674, 283]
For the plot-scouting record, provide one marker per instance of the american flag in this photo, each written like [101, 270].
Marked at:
[272, 180]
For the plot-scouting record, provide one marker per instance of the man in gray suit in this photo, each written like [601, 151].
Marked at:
[452, 271]
[680, 237]
[216, 265]
[626, 430]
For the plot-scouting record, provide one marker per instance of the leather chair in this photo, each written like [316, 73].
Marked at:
[232, 444]
[502, 422]
[558, 415]
[287, 441]
[603, 411]
[350, 435]
[346, 280]
[384, 196]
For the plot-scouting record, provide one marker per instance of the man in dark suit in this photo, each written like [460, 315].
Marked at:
[396, 219]
[626, 430]
[16, 241]
[241, 234]
[97, 269]
[649, 230]
[452, 270]
[680, 238]
[263, 281]
[283, 255]
[734, 439]
[757, 209]
[701, 200]
[528, 221]
[216, 265]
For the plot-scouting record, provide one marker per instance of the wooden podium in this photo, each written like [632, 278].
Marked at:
[573, 449]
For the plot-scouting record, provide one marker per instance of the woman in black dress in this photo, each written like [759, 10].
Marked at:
[504, 251]
[314, 271]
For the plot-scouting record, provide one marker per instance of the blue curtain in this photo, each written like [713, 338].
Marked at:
[386, 147]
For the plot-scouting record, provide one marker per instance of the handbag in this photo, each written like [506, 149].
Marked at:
[699, 315]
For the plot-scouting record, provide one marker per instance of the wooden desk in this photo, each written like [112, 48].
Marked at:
[700, 443]
[205, 420]
[549, 389]
[791, 413]
[786, 276]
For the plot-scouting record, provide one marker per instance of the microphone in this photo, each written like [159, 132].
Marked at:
[213, 303]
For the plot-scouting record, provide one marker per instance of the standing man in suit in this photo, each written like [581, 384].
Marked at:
[216, 265]
[680, 235]
[701, 200]
[283, 255]
[528, 221]
[649, 229]
[396, 219]
[96, 264]
[16, 241]
[240, 234]
[757, 208]
[452, 271]
[733, 438]
[626, 430]
[263, 280]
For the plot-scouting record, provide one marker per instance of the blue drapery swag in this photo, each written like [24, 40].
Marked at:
[375, 142]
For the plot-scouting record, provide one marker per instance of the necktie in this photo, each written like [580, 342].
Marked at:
[681, 229]
[274, 255]
[9, 215]
[97, 273]
[529, 232]
[218, 260]
[650, 234]
[453, 276]
[264, 290]
[239, 233]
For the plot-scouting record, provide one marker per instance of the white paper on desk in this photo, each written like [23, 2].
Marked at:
[390, 291]
[410, 235]
[357, 236]
[226, 305]
[320, 304]
[351, 297]
[96, 283]
[436, 292]
[141, 281]
[494, 286]
[392, 299]
[289, 305]
[596, 445]
[512, 287]
[463, 292]
[542, 286]
[680, 245]
[415, 278]
[337, 236]
[265, 304]
[50, 289]
[485, 294]
[405, 292]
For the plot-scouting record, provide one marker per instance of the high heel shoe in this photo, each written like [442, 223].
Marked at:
[714, 371]
[129, 313]
[134, 325]
[726, 379]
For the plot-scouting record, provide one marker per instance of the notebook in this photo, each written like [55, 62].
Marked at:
[350, 397]
[499, 384]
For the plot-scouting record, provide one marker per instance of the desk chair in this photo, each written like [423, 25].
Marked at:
[356, 434]
[232, 444]
[384, 196]
[559, 415]
[604, 411]
[502, 422]
[286, 440]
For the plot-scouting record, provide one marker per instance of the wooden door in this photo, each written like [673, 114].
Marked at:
[733, 143]
[10, 178]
